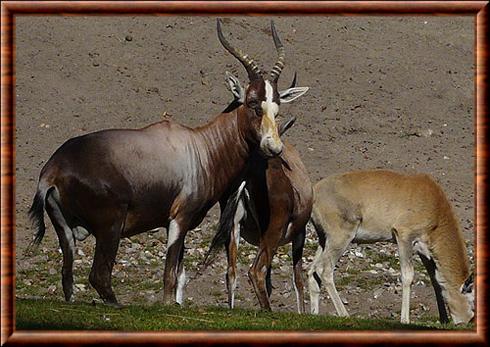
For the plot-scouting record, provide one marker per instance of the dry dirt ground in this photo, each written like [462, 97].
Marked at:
[385, 92]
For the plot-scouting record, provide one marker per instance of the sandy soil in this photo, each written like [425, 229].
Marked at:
[386, 92]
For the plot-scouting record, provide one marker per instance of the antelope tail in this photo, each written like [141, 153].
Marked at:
[225, 225]
[36, 215]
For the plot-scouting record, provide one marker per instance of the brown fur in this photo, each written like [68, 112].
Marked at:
[281, 193]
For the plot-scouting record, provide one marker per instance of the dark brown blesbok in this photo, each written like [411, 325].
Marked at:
[270, 208]
[122, 182]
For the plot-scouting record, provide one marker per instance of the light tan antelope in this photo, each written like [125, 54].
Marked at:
[411, 210]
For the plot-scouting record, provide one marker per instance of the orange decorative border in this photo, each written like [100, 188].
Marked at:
[10, 9]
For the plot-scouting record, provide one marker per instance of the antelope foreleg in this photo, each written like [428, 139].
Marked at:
[174, 275]
[431, 270]
[257, 275]
[231, 252]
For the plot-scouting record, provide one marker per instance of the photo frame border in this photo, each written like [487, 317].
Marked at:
[11, 9]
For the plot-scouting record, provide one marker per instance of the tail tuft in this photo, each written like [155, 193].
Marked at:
[36, 215]
[225, 227]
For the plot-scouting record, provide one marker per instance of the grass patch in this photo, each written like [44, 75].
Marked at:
[56, 315]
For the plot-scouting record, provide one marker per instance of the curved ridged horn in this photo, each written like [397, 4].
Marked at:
[293, 84]
[276, 70]
[249, 64]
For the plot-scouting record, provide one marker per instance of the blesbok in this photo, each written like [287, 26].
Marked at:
[270, 208]
[411, 210]
[122, 182]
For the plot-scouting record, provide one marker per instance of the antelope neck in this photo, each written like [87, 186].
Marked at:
[225, 150]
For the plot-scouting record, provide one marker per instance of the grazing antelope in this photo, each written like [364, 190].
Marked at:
[270, 208]
[122, 182]
[411, 210]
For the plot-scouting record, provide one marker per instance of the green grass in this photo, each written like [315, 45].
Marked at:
[56, 315]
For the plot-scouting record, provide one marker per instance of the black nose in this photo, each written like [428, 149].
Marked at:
[278, 152]
[275, 152]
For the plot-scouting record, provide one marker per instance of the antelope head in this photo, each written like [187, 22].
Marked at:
[239, 97]
[468, 291]
[261, 98]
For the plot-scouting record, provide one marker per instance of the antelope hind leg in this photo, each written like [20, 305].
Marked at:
[67, 244]
[335, 245]
[297, 250]
[407, 273]
[106, 246]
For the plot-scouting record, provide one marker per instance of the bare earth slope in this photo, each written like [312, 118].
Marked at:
[386, 92]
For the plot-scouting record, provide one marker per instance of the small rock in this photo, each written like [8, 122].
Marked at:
[378, 292]
[51, 289]
[128, 38]
[81, 287]
[425, 132]
[52, 271]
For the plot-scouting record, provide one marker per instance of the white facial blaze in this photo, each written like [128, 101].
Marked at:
[270, 141]
[269, 107]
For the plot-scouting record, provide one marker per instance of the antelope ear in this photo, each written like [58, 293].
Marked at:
[291, 94]
[235, 87]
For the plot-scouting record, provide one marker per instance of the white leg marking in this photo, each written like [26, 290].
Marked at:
[233, 287]
[173, 236]
[298, 299]
[173, 233]
[179, 296]
[240, 213]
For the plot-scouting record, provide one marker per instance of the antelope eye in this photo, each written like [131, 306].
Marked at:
[253, 104]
